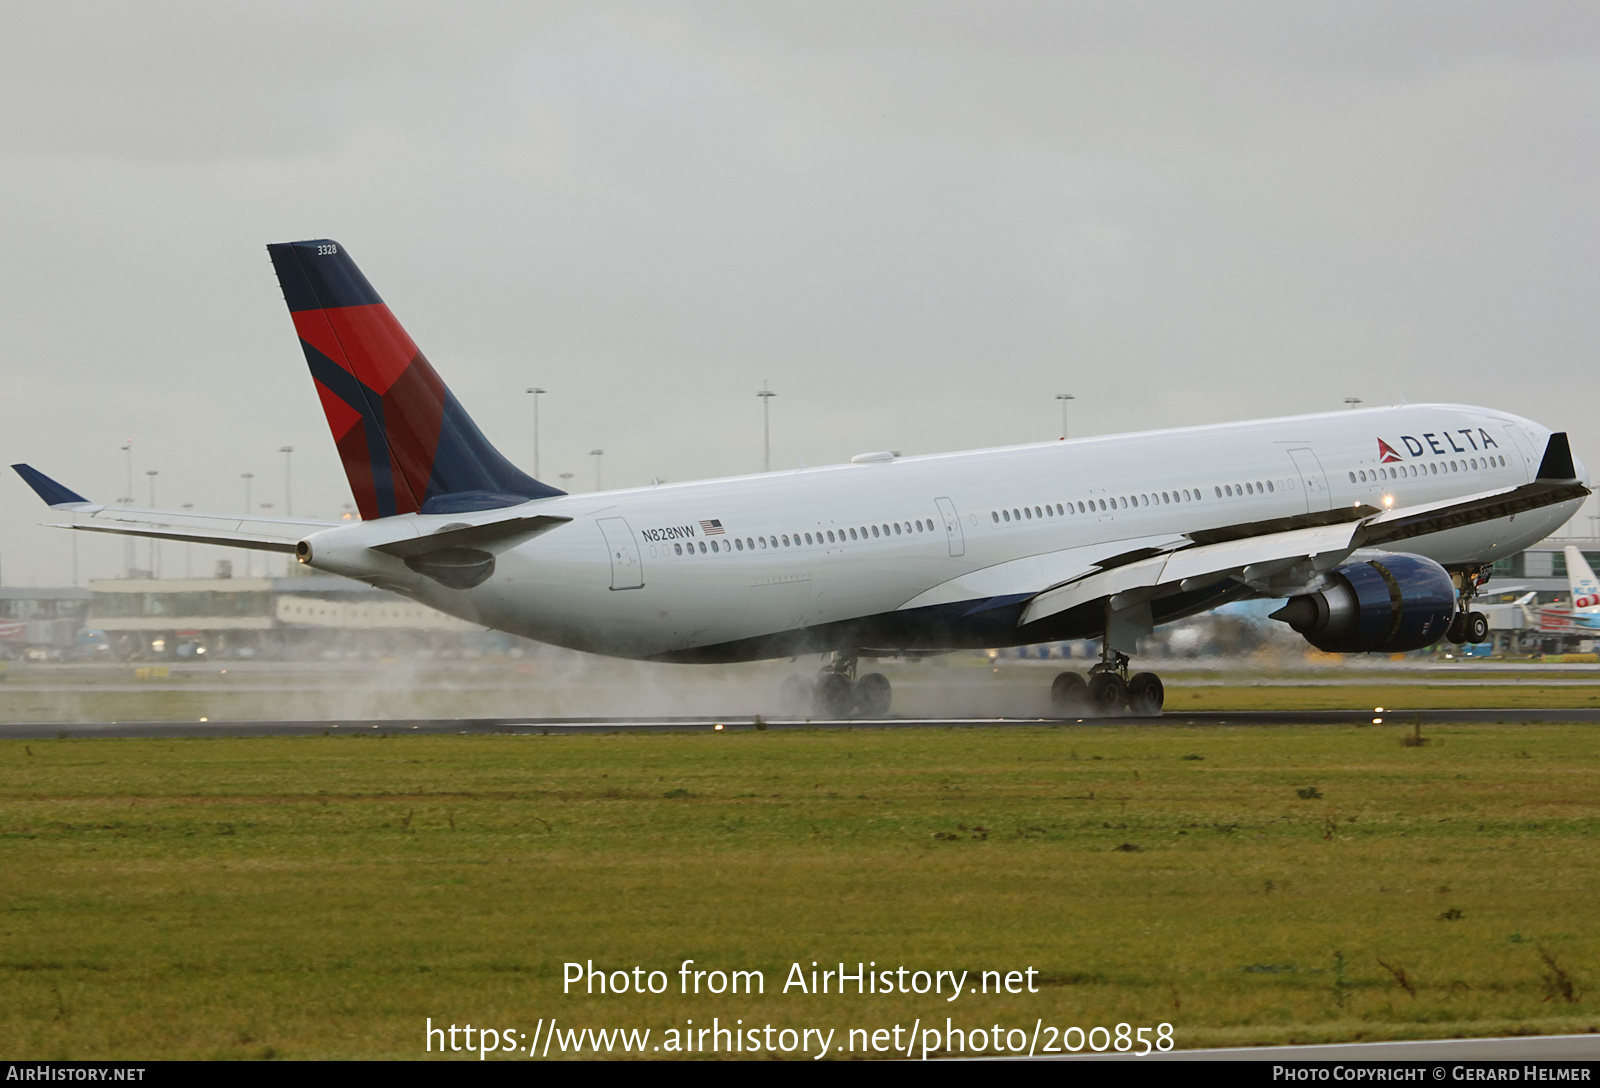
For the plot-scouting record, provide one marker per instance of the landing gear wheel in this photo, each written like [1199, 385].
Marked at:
[794, 696]
[1477, 627]
[1108, 693]
[1069, 695]
[835, 694]
[873, 695]
[1146, 694]
[1457, 631]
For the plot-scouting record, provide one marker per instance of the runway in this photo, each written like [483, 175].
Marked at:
[701, 724]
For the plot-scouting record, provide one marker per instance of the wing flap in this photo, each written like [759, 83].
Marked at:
[1323, 546]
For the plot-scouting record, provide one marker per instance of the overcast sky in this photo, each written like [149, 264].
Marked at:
[920, 221]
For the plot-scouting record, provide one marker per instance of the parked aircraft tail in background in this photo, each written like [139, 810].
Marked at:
[1581, 580]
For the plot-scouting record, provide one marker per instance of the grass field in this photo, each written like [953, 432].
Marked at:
[321, 897]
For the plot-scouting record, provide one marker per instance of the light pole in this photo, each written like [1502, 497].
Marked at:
[565, 476]
[155, 556]
[1351, 402]
[536, 393]
[597, 454]
[247, 477]
[188, 550]
[1064, 398]
[288, 506]
[766, 396]
[127, 500]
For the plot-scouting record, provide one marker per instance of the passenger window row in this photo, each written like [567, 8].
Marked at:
[797, 540]
[1231, 491]
[1426, 468]
[1094, 506]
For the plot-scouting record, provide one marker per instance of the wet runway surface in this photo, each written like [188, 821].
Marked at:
[700, 724]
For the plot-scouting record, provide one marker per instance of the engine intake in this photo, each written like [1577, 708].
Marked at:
[1388, 605]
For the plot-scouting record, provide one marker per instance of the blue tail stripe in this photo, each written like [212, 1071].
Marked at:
[464, 460]
[342, 384]
[319, 275]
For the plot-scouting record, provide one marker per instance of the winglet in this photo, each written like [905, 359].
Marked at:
[1557, 463]
[52, 493]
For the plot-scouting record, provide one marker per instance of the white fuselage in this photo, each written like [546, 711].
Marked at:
[904, 553]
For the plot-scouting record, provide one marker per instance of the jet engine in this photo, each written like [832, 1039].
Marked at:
[1388, 605]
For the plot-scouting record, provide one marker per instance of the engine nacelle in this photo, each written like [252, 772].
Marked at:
[1388, 605]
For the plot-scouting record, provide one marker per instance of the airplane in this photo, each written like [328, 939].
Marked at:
[1377, 525]
[1582, 614]
[1585, 589]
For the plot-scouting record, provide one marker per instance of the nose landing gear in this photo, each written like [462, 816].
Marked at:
[1466, 625]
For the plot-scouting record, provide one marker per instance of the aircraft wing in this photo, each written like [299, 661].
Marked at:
[231, 531]
[266, 534]
[1283, 554]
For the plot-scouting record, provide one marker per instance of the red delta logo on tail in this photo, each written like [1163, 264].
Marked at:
[1386, 453]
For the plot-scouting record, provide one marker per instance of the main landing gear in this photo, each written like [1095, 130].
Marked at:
[837, 692]
[1466, 625]
[1108, 691]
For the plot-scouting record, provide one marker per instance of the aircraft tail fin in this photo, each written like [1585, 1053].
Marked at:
[407, 444]
[1581, 580]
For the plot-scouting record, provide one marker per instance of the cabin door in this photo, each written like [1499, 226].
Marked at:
[952, 527]
[626, 570]
[1312, 480]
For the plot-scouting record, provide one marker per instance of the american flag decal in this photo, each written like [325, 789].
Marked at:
[712, 528]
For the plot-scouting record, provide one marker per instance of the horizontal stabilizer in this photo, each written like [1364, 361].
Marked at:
[495, 536]
[52, 493]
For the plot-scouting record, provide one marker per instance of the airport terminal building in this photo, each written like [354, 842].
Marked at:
[315, 616]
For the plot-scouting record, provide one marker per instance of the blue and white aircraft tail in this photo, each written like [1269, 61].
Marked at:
[1585, 588]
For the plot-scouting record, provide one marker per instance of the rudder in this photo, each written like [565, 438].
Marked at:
[406, 443]
[1581, 582]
